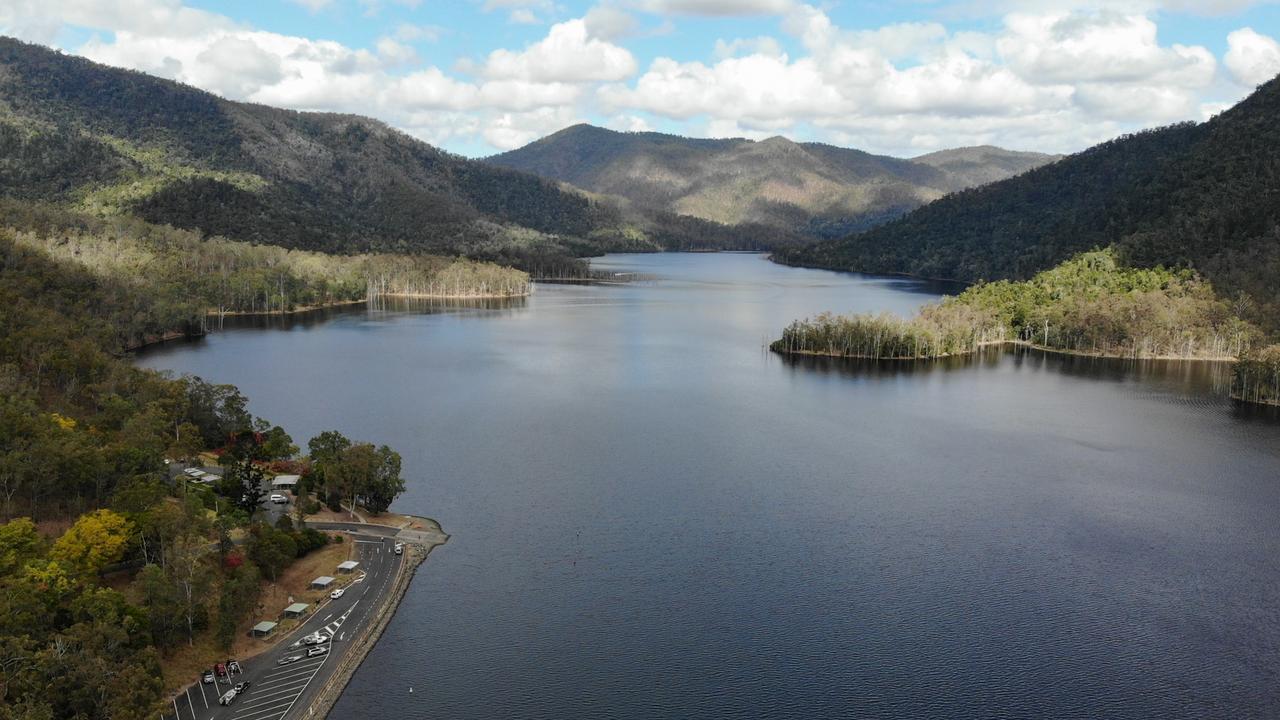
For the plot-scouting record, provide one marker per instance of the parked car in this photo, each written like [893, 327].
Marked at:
[320, 650]
[241, 687]
[208, 678]
[221, 669]
[279, 499]
[234, 666]
[336, 593]
[288, 659]
[227, 697]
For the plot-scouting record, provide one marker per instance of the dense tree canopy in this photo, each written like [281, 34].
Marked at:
[1205, 197]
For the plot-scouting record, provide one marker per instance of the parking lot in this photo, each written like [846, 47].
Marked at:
[278, 692]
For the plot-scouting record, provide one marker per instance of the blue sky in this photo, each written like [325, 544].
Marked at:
[904, 78]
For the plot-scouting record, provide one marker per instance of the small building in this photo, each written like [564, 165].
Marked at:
[348, 566]
[264, 628]
[296, 610]
[321, 582]
[285, 482]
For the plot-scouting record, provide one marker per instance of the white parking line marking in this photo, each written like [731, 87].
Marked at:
[272, 702]
[269, 712]
[274, 696]
[301, 665]
[191, 705]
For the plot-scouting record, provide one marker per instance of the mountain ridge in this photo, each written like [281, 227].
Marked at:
[812, 188]
[1198, 195]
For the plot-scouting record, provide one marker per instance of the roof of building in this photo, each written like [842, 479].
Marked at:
[348, 565]
[285, 480]
[265, 626]
[297, 608]
[322, 580]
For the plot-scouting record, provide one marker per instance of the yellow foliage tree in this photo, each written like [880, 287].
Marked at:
[95, 541]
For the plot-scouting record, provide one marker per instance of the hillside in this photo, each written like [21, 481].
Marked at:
[114, 142]
[1204, 196]
[803, 187]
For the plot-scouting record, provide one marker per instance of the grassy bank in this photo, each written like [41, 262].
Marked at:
[1089, 305]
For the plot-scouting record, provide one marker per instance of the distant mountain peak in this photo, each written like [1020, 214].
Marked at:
[814, 188]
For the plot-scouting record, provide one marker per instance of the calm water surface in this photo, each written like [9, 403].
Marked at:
[653, 517]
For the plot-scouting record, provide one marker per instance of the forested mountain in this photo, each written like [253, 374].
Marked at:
[804, 187]
[1204, 196]
[108, 142]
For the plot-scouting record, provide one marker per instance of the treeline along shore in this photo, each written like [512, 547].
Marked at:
[1089, 305]
[188, 275]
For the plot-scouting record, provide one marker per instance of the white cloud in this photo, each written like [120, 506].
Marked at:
[314, 5]
[718, 8]
[567, 54]
[409, 32]
[1051, 76]
[763, 45]
[607, 22]
[1252, 58]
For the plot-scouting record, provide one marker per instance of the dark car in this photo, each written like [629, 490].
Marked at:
[241, 687]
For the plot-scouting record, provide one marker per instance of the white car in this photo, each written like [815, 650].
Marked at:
[399, 548]
[279, 499]
[317, 651]
[336, 593]
[228, 697]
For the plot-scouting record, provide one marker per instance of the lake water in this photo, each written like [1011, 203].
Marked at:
[654, 517]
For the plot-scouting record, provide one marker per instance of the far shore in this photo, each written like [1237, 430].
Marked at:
[1015, 343]
[300, 309]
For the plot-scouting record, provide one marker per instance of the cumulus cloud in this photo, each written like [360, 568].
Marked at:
[1049, 76]
[567, 54]
[1252, 58]
[607, 22]
[718, 8]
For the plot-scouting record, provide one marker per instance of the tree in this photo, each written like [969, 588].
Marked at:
[242, 482]
[19, 543]
[96, 540]
[271, 550]
[385, 484]
[277, 445]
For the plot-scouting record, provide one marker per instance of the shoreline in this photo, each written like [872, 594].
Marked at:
[1015, 343]
[419, 549]
[301, 309]
[304, 309]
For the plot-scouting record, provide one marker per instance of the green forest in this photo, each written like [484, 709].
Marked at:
[109, 142]
[1091, 304]
[108, 568]
[1200, 196]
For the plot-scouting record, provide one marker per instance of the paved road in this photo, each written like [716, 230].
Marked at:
[284, 692]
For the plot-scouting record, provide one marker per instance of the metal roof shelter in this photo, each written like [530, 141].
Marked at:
[285, 481]
[296, 610]
[264, 628]
[321, 582]
[348, 566]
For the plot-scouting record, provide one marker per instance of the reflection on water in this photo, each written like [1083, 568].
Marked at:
[654, 518]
